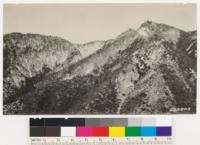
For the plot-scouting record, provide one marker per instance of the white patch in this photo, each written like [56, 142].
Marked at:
[144, 31]
[172, 35]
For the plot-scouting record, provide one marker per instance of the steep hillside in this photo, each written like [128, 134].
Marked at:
[104, 55]
[148, 71]
[28, 57]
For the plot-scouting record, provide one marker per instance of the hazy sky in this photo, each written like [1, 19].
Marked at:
[84, 23]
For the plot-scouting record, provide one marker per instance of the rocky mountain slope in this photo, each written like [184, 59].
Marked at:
[151, 70]
[31, 56]
[90, 47]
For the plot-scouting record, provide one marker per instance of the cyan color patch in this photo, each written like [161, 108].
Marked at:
[148, 131]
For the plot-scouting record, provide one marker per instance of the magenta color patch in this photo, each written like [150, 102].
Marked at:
[83, 131]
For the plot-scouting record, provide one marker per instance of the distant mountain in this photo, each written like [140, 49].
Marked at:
[89, 48]
[151, 70]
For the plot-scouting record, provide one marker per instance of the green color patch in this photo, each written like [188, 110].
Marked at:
[132, 131]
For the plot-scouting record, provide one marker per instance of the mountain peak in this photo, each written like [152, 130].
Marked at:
[149, 24]
[149, 28]
[153, 26]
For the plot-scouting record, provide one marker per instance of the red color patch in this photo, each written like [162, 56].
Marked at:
[100, 131]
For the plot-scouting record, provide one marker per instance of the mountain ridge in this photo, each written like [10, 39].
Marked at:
[135, 73]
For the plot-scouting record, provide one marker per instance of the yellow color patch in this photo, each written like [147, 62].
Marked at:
[116, 131]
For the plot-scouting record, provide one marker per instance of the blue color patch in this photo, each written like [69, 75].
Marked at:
[148, 131]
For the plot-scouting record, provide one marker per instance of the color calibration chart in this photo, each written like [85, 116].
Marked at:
[101, 131]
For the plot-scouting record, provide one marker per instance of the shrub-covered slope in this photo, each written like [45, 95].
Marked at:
[151, 70]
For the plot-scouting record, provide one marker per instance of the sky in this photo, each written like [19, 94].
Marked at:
[81, 23]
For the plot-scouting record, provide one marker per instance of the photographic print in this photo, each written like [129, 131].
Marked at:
[99, 59]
